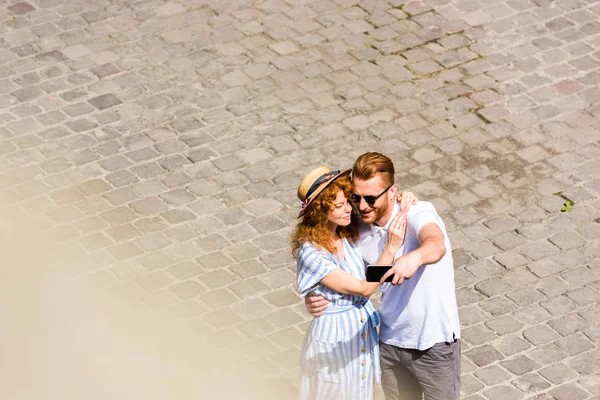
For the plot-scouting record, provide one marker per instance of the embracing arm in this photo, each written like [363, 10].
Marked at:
[343, 282]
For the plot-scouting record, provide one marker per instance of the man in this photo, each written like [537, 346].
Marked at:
[419, 346]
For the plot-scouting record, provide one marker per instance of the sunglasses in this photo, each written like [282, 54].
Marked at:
[370, 200]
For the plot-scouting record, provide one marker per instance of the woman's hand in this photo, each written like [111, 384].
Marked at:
[407, 200]
[397, 231]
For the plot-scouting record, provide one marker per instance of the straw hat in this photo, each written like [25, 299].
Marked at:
[314, 183]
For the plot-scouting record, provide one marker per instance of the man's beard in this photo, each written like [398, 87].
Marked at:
[377, 215]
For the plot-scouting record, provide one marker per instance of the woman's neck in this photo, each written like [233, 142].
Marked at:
[333, 231]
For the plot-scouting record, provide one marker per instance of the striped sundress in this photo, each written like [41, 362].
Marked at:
[340, 355]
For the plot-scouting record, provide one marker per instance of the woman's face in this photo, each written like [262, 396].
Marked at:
[342, 211]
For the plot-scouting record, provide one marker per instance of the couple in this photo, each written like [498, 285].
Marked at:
[417, 352]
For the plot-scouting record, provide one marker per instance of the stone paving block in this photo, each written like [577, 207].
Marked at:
[483, 355]
[123, 232]
[519, 365]
[520, 277]
[466, 296]
[546, 354]
[508, 240]
[584, 364]
[531, 383]
[503, 392]
[222, 318]
[148, 206]
[559, 305]
[287, 338]
[568, 391]
[580, 276]
[593, 333]
[568, 324]
[540, 334]
[469, 385]
[533, 314]
[482, 249]
[498, 306]
[178, 216]
[278, 279]
[471, 315]
[503, 325]
[574, 344]
[283, 318]
[105, 101]
[191, 289]
[492, 375]
[558, 373]
[282, 298]
[567, 240]
[510, 259]
[484, 269]
[212, 242]
[153, 241]
[583, 296]
[267, 224]
[545, 267]
[526, 296]
[150, 224]
[248, 287]
[182, 232]
[154, 281]
[182, 270]
[215, 260]
[216, 279]
[252, 308]
[539, 249]
[256, 328]
[248, 268]
[477, 335]
[535, 231]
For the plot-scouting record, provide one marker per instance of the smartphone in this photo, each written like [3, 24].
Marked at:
[376, 272]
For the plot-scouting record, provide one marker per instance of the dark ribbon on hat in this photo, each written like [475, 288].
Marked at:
[322, 179]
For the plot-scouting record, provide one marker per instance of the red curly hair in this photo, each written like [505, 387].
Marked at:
[313, 226]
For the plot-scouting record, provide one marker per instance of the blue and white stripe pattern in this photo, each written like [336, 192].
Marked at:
[340, 352]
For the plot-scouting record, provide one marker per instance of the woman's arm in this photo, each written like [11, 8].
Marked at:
[345, 283]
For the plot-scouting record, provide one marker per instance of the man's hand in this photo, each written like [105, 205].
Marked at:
[404, 267]
[316, 304]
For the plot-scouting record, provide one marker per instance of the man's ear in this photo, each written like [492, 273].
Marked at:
[392, 192]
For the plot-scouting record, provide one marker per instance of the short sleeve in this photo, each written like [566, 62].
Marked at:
[424, 217]
[312, 266]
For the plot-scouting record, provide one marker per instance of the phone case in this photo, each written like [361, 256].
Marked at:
[376, 272]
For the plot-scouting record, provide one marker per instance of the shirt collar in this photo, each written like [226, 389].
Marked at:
[381, 230]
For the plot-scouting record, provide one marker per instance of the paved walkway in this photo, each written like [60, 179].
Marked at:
[160, 145]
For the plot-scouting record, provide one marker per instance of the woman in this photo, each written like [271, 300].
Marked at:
[340, 352]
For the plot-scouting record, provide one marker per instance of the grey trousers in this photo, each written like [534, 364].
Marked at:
[408, 374]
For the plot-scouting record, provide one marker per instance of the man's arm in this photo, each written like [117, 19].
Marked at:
[431, 250]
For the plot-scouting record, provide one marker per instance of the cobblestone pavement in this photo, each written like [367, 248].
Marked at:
[160, 143]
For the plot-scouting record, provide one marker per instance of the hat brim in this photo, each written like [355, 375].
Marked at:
[321, 188]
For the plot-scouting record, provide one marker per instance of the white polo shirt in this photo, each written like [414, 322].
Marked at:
[422, 311]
